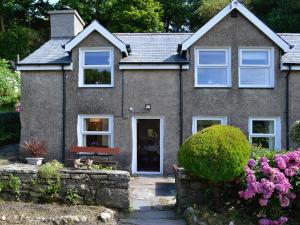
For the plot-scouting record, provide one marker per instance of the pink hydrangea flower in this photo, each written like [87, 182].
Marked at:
[263, 202]
[251, 163]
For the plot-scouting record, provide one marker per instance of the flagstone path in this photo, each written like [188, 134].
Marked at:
[152, 200]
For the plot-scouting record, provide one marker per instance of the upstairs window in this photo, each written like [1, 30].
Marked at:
[256, 68]
[96, 68]
[212, 68]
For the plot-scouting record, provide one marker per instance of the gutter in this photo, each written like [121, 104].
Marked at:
[287, 105]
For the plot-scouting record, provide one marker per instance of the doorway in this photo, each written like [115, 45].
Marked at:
[147, 145]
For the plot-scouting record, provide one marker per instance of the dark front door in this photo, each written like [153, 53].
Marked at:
[148, 145]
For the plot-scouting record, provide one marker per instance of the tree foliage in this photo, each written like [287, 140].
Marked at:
[136, 16]
[279, 15]
[9, 84]
[175, 15]
[18, 40]
[120, 15]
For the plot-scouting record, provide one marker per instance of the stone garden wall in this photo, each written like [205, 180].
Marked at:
[108, 188]
[190, 190]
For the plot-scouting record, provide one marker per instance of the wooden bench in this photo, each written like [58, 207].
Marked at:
[91, 152]
[94, 151]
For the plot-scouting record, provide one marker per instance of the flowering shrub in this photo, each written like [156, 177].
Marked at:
[271, 182]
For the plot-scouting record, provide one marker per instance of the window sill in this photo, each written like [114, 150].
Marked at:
[253, 87]
[84, 87]
[212, 87]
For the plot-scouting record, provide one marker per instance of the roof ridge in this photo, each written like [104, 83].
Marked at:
[153, 33]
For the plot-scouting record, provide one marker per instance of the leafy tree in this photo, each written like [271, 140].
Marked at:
[210, 8]
[136, 16]
[120, 15]
[175, 15]
[9, 84]
[279, 15]
[18, 40]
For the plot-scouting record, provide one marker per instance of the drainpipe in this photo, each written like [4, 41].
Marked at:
[287, 106]
[63, 115]
[180, 106]
[123, 81]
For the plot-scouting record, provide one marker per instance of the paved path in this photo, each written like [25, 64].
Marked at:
[152, 200]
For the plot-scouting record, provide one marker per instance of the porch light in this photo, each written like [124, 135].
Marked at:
[148, 106]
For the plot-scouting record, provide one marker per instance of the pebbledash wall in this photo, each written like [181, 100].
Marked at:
[41, 96]
[96, 187]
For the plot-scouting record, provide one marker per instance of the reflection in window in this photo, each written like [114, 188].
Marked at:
[95, 131]
[96, 68]
[212, 68]
[264, 133]
[255, 68]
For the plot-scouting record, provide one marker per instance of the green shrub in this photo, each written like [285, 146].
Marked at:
[295, 133]
[50, 193]
[50, 170]
[13, 184]
[10, 128]
[101, 167]
[257, 152]
[72, 197]
[217, 153]
[49, 180]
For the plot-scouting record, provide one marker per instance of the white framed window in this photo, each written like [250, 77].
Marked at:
[201, 122]
[95, 131]
[256, 67]
[213, 67]
[96, 67]
[265, 132]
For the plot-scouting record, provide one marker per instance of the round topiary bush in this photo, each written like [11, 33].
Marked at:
[217, 153]
[295, 133]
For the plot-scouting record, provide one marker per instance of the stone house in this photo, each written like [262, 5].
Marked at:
[145, 93]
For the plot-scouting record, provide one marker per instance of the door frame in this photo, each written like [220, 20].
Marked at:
[134, 145]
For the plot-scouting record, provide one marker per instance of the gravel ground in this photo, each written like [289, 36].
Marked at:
[42, 214]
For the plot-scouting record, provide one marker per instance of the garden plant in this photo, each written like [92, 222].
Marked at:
[216, 155]
[271, 183]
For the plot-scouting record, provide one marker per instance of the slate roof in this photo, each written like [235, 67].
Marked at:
[294, 55]
[51, 52]
[153, 47]
[145, 48]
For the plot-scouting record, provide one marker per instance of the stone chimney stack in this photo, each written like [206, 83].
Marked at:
[65, 23]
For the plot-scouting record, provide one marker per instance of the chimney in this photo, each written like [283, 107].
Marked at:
[65, 23]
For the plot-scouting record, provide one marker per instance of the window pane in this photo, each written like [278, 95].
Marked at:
[263, 127]
[264, 142]
[255, 77]
[212, 76]
[212, 57]
[96, 58]
[96, 124]
[97, 76]
[201, 124]
[97, 140]
[255, 58]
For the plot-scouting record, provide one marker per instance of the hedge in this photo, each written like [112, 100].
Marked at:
[10, 128]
